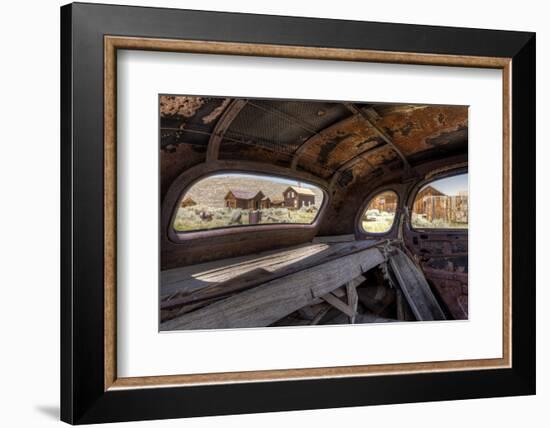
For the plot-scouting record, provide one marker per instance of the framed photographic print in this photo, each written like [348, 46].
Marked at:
[266, 213]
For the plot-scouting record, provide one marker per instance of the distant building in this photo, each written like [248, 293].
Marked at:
[428, 191]
[243, 199]
[386, 202]
[432, 204]
[435, 205]
[459, 209]
[265, 203]
[297, 197]
[188, 202]
[277, 202]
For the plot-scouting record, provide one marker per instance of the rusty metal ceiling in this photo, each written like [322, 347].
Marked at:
[339, 142]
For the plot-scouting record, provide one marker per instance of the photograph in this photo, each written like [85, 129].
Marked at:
[303, 213]
[262, 212]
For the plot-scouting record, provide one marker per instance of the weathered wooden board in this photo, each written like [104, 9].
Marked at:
[220, 270]
[353, 300]
[334, 301]
[333, 238]
[195, 283]
[273, 300]
[320, 315]
[415, 288]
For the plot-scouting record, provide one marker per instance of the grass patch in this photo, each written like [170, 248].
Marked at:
[201, 217]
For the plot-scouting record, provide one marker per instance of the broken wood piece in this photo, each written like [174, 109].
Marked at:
[267, 303]
[214, 279]
[415, 288]
[320, 315]
[400, 305]
[341, 291]
[353, 300]
[338, 304]
[333, 238]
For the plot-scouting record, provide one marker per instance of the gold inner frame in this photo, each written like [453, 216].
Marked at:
[113, 43]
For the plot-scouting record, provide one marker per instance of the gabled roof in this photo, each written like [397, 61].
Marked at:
[432, 190]
[243, 194]
[301, 190]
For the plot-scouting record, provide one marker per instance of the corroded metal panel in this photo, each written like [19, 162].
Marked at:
[420, 128]
[334, 146]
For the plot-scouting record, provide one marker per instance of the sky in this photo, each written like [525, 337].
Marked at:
[270, 178]
[451, 185]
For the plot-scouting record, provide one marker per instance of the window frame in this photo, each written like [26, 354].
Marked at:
[419, 186]
[179, 237]
[365, 205]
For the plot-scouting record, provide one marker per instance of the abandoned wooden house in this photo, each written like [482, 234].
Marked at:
[298, 197]
[331, 271]
[434, 205]
[265, 203]
[386, 202]
[243, 199]
[277, 202]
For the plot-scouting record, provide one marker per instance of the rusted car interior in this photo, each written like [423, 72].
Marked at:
[334, 270]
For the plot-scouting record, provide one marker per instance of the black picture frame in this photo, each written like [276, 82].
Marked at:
[83, 398]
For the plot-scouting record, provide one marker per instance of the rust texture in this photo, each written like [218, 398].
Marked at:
[186, 124]
[444, 260]
[416, 129]
[334, 146]
[179, 106]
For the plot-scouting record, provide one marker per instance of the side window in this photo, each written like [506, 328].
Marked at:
[442, 204]
[380, 213]
[231, 200]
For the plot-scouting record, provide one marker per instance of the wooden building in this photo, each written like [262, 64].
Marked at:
[265, 203]
[386, 201]
[277, 202]
[459, 209]
[244, 199]
[435, 205]
[431, 203]
[298, 197]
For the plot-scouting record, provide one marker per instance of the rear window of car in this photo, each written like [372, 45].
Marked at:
[379, 215]
[235, 199]
[442, 204]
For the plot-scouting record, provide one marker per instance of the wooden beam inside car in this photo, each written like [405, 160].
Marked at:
[205, 281]
[263, 305]
[415, 288]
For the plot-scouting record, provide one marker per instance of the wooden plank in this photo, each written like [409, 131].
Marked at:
[320, 316]
[415, 288]
[400, 304]
[269, 302]
[223, 278]
[334, 301]
[353, 300]
[333, 238]
[216, 270]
